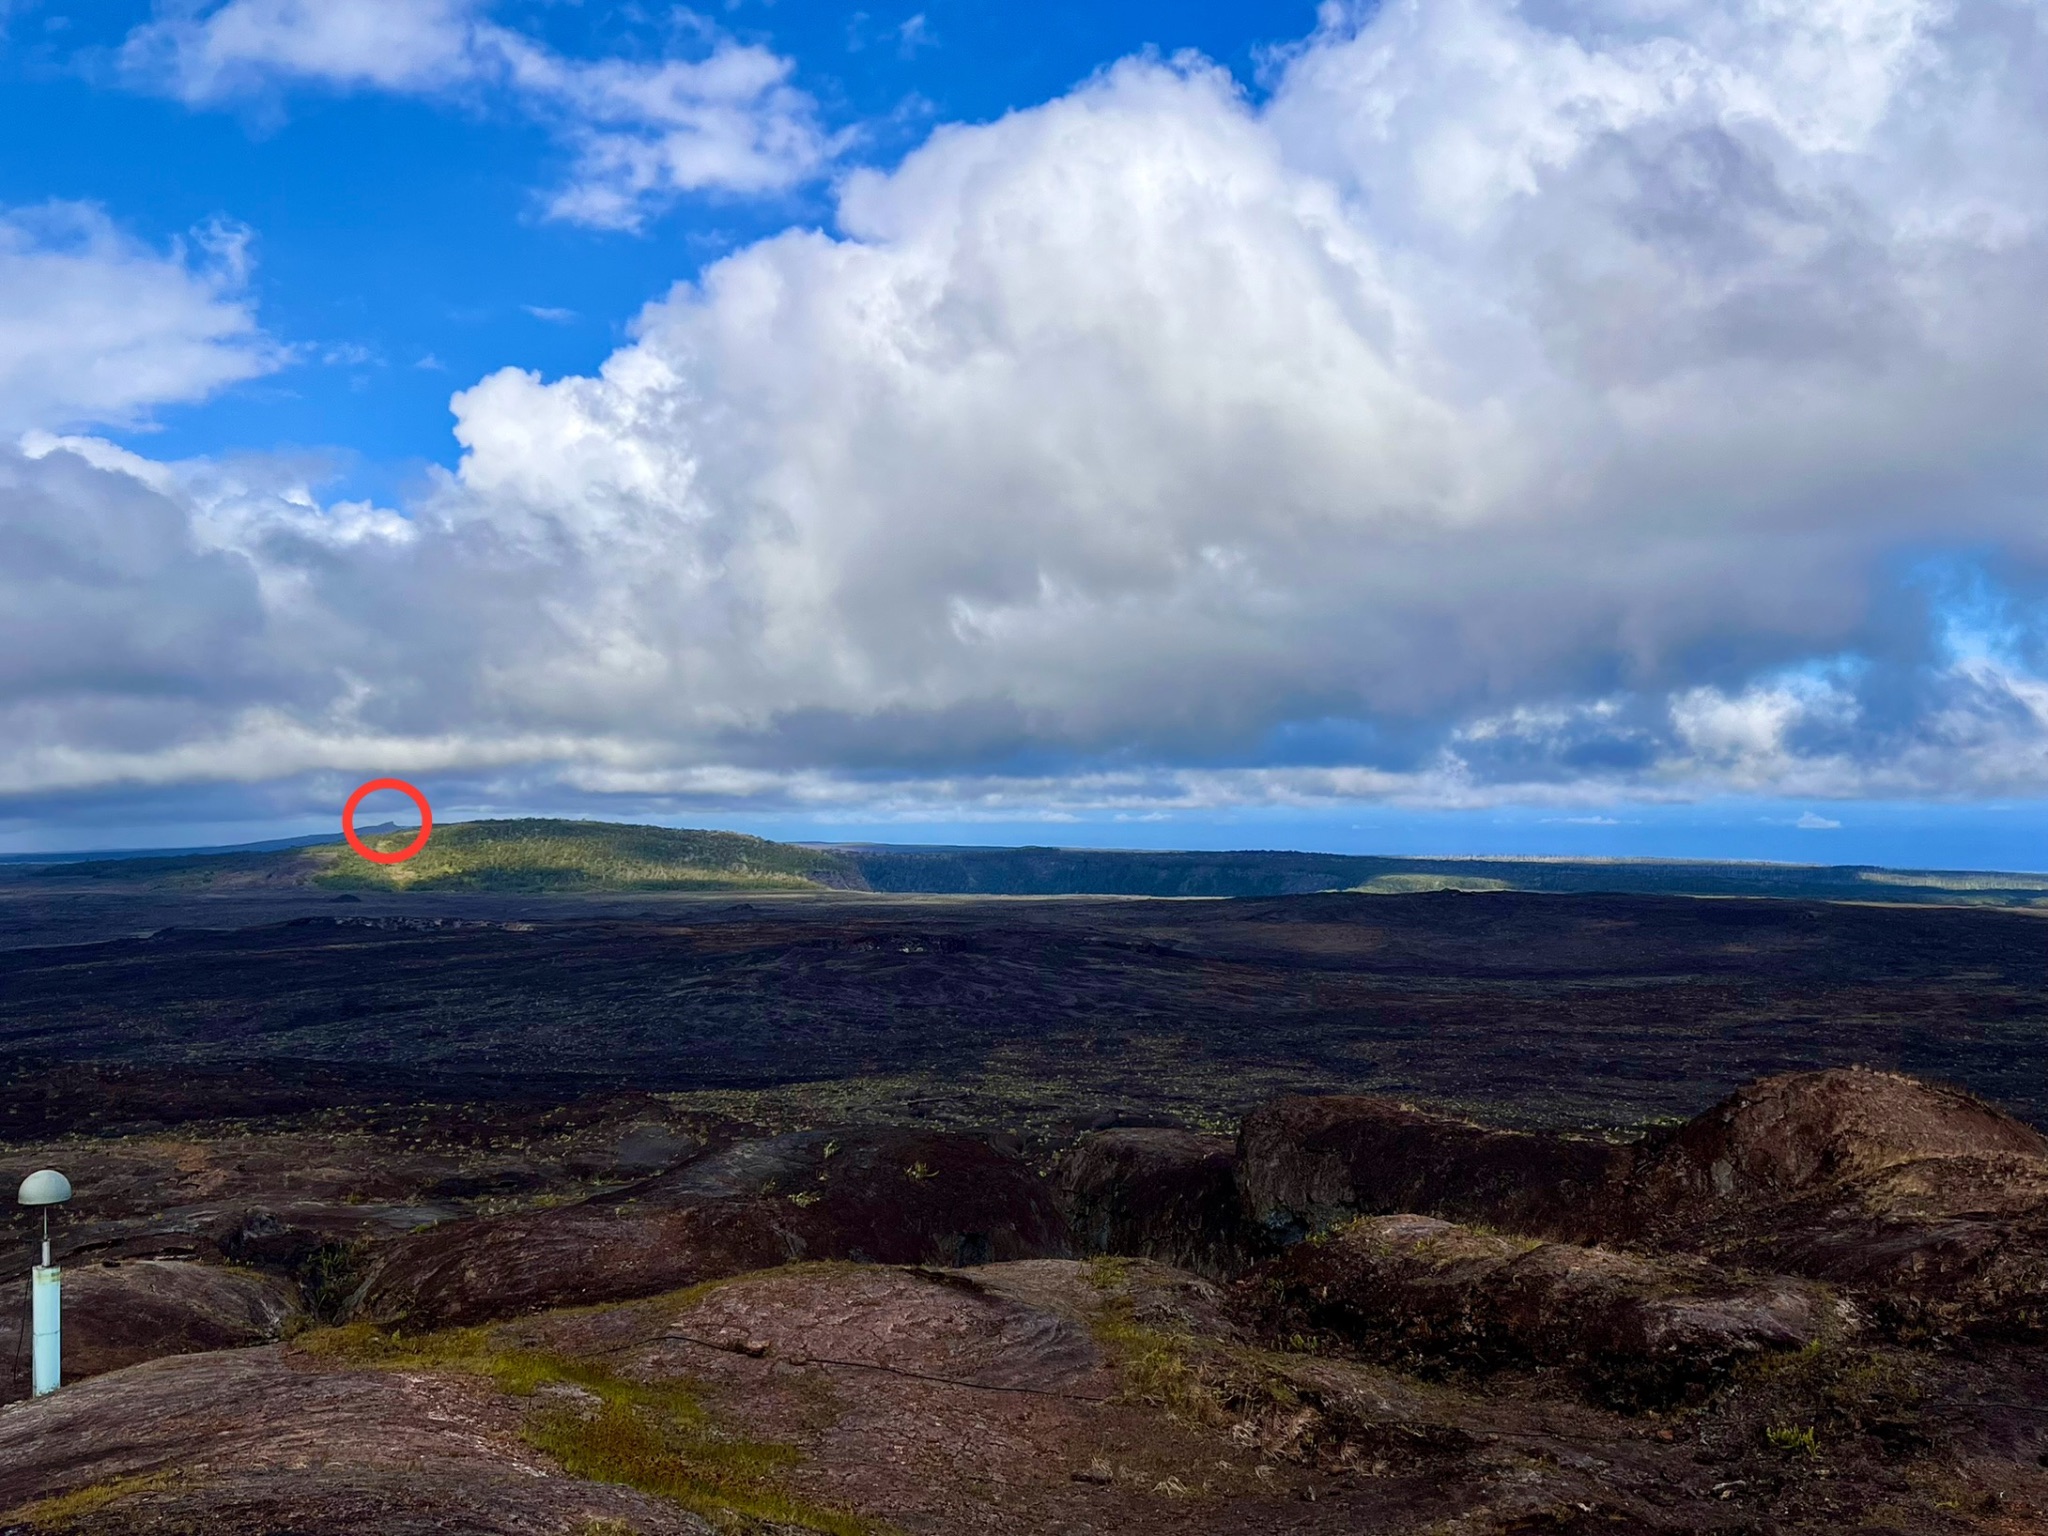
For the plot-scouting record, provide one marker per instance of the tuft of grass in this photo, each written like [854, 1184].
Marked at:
[1792, 1439]
[1839, 1389]
[63, 1508]
[653, 1436]
[1156, 1367]
[328, 1276]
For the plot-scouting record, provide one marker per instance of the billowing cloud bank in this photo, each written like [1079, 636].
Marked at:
[1526, 401]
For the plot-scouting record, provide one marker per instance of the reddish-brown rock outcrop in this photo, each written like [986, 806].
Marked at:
[494, 1267]
[884, 1195]
[868, 1195]
[1427, 1295]
[1309, 1163]
[1789, 1136]
[1928, 1205]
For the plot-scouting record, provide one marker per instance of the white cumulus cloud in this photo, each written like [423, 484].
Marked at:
[1535, 401]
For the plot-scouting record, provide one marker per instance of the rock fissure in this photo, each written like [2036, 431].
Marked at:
[800, 1360]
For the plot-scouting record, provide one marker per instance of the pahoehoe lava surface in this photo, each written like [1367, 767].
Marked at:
[1551, 1009]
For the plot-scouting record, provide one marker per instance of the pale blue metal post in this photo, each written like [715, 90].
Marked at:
[47, 1307]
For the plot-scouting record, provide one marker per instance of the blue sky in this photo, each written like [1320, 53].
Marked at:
[397, 238]
[1456, 428]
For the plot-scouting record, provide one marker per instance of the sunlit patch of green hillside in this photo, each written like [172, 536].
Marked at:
[537, 855]
[1408, 885]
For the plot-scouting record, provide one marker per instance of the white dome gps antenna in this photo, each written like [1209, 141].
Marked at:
[46, 1187]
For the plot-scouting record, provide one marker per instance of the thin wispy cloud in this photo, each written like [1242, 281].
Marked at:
[99, 326]
[914, 35]
[641, 132]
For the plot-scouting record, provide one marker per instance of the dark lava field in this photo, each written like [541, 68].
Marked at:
[1432, 1214]
[1560, 1010]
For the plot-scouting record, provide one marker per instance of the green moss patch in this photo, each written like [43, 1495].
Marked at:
[655, 1436]
[61, 1510]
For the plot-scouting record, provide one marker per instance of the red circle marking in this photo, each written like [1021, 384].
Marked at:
[348, 821]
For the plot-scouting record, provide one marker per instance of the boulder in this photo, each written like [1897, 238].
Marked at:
[881, 1195]
[120, 1313]
[1169, 1195]
[1306, 1164]
[1800, 1132]
[1436, 1298]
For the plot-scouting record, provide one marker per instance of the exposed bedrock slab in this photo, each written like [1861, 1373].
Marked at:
[1921, 1279]
[869, 1195]
[500, 1266]
[1162, 1194]
[1040, 1398]
[640, 1149]
[1431, 1296]
[941, 1325]
[256, 1442]
[302, 1201]
[117, 1314]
